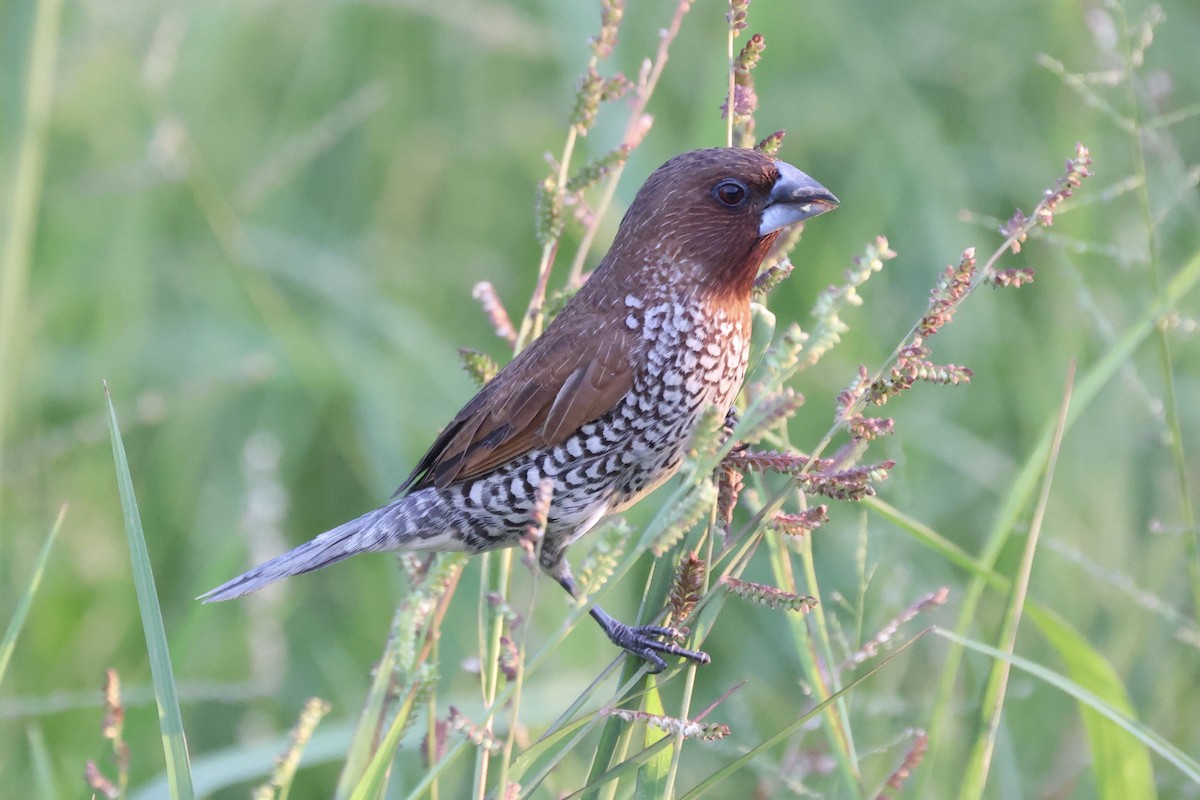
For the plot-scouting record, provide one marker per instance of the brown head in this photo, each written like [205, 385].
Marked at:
[700, 225]
[712, 214]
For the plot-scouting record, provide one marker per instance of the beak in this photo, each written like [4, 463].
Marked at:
[794, 197]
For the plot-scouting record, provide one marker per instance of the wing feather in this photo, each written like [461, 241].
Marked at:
[573, 374]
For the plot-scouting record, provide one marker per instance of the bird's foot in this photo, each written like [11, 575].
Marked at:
[645, 641]
[732, 416]
[648, 641]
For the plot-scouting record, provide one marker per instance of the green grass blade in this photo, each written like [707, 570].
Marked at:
[1121, 763]
[532, 775]
[240, 763]
[606, 747]
[930, 538]
[652, 776]
[26, 182]
[374, 779]
[625, 767]
[1147, 737]
[1025, 483]
[358, 757]
[762, 332]
[170, 721]
[45, 786]
[979, 762]
[812, 641]
[1119, 760]
[614, 732]
[9, 642]
[741, 763]
[537, 750]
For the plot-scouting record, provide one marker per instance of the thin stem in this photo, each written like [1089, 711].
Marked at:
[982, 274]
[1162, 340]
[490, 668]
[519, 682]
[634, 130]
[531, 321]
[689, 684]
[731, 89]
[813, 650]
[26, 198]
[431, 716]
[993, 703]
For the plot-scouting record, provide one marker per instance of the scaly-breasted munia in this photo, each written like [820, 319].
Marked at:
[605, 401]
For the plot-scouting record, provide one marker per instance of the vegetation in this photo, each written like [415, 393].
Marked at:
[263, 227]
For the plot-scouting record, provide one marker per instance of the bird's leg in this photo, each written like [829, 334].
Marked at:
[731, 420]
[641, 640]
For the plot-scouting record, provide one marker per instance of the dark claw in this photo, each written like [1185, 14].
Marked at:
[641, 641]
[731, 420]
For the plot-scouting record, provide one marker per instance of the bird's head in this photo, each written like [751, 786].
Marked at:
[711, 216]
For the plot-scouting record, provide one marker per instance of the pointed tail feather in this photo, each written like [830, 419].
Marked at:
[328, 548]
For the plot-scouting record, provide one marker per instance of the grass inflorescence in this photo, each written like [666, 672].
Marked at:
[1013, 469]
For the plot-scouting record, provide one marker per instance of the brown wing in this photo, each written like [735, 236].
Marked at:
[571, 375]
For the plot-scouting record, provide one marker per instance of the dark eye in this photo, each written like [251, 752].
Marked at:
[730, 193]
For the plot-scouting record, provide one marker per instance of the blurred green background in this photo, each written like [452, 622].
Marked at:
[261, 223]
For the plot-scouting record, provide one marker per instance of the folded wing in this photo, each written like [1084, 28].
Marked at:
[555, 386]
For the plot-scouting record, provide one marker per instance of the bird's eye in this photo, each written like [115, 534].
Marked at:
[730, 193]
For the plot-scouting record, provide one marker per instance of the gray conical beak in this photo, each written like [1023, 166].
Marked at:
[794, 197]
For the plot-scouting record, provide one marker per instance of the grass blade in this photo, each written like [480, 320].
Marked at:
[741, 763]
[26, 181]
[1121, 764]
[9, 642]
[374, 778]
[652, 776]
[170, 721]
[361, 749]
[994, 693]
[1156, 743]
[762, 332]
[43, 768]
[241, 763]
[1024, 484]
[636, 761]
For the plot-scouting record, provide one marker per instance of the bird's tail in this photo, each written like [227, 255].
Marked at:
[328, 548]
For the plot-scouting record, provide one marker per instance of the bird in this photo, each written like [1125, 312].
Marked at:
[603, 403]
